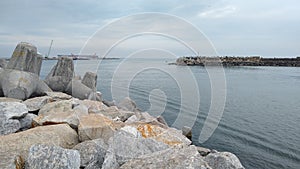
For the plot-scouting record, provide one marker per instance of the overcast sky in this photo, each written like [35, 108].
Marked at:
[235, 27]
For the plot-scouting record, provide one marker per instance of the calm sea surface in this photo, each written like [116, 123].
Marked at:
[261, 119]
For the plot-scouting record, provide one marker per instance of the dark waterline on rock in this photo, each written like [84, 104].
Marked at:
[260, 123]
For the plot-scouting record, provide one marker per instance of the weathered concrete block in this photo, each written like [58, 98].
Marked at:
[25, 58]
[90, 80]
[3, 63]
[21, 85]
[61, 74]
[78, 90]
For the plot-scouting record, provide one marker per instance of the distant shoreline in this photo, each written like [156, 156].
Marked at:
[237, 61]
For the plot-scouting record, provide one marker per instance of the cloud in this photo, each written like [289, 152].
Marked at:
[70, 23]
[219, 12]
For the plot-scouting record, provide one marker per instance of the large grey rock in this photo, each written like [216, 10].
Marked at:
[120, 115]
[131, 130]
[114, 113]
[61, 74]
[93, 106]
[187, 131]
[172, 158]
[128, 104]
[35, 104]
[25, 58]
[85, 89]
[8, 126]
[55, 96]
[203, 151]
[18, 84]
[52, 157]
[90, 80]
[92, 153]
[3, 63]
[223, 160]
[162, 120]
[64, 111]
[7, 99]
[26, 122]
[147, 118]
[18, 144]
[95, 126]
[1, 92]
[132, 119]
[13, 110]
[10, 113]
[42, 88]
[124, 146]
[110, 161]
[170, 136]
[21, 85]
[78, 90]
[95, 95]
[109, 103]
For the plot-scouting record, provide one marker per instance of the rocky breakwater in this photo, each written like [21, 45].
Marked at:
[238, 61]
[56, 130]
[71, 133]
[20, 77]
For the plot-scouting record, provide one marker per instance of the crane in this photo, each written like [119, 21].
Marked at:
[49, 49]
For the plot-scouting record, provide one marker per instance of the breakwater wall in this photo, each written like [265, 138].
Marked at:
[238, 61]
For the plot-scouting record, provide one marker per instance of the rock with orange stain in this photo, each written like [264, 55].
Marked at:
[170, 136]
[93, 126]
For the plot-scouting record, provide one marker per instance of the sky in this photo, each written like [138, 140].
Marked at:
[267, 28]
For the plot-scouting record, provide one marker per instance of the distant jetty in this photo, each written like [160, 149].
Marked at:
[238, 61]
[80, 57]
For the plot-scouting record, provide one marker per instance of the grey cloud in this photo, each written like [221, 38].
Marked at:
[234, 26]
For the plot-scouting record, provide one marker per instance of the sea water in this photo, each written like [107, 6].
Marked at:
[261, 118]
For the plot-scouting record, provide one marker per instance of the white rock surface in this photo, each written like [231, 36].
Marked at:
[52, 157]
